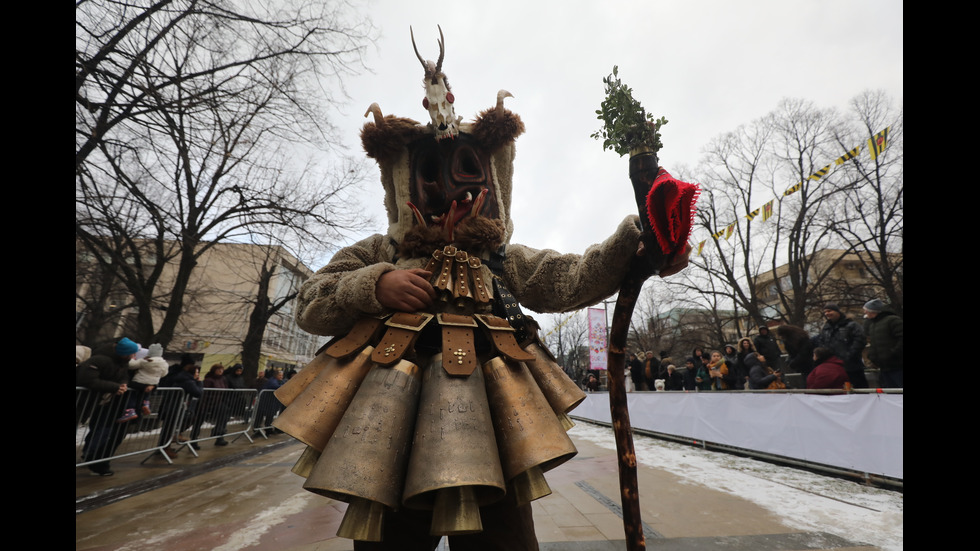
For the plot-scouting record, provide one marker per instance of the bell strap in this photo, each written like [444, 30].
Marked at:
[457, 274]
[403, 329]
[481, 290]
[458, 349]
[364, 331]
[506, 305]
[502, 335]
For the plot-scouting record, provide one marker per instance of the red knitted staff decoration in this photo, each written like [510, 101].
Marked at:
[670, 208]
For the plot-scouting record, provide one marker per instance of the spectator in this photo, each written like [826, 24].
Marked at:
[736, 380]
[886, 335]
[189, 379]
[799, 349]
[147, 373]
[213, 405]
[269, 406]
[760, 376]
[766, 345]
[730, 353]
[702, 378]
[675, 380]
[745, 347]
[169, 406]
[82, 353]
[845, 338]
[592, 383]
[235, 377]
[722, 377]
[689, 373]
[636, 372]
[651, 366]
[106, 372]
[829, 371]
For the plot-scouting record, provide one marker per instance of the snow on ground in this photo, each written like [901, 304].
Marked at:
[804, 500]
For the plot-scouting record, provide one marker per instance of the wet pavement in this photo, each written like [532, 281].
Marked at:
[244, 496]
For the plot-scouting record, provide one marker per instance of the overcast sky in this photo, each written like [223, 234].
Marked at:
[706, 65]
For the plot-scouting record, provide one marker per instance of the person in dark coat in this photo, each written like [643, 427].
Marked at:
[651, 367]
[799, 348]
[213, 405]
[886, 336]
[674, 381]
[636, 372]
[106, 372]
[760, 377]
[766, 345]
[269, 406]
[744, 348]
[845, 338]
[235, 377]
[189, 379]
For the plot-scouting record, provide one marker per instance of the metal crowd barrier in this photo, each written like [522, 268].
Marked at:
[103, 433]
[267, 408]
[219, 414]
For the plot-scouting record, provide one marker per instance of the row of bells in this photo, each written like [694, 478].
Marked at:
[410, 435]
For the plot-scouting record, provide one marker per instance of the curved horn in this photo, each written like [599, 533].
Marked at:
[379, 119]
[425, 67]
[442, 51]
[500, 99]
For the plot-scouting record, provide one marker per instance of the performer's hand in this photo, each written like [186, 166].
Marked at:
[678, 263]
[405, 290]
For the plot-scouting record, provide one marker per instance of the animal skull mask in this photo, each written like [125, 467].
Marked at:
[438, 98]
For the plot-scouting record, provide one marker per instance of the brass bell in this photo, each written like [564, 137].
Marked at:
[562, 393]
[306, 461]
[529, 485]
[295, 386]
[363, 520]
[528, 432]
[313, 416]
[367, 455]
[456, 512]
[454, 466]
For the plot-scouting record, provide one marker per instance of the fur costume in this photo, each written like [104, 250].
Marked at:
[343, 293]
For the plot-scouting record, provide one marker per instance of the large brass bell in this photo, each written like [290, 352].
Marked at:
[295, 386]
[315, 413]
[560, 391]
[528, 433]
[366, 457]
[454, 467]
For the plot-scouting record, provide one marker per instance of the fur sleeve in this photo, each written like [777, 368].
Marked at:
[547, 281]
[331, 301]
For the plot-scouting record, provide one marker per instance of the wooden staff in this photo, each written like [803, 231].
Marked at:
[643, 171]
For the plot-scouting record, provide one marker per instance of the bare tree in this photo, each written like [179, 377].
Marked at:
[567, 337]
[874, 207]
[770, 270]
[188, 119]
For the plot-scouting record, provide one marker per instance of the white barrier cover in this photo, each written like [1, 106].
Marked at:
[860, 432]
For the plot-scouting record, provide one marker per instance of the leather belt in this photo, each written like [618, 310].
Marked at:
[403, 329]
[458, 350]
[502, 335]
[364, 331]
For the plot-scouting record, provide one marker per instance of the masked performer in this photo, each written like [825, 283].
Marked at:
[435, 410]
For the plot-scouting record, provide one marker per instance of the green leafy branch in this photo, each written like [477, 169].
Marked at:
[627, 126]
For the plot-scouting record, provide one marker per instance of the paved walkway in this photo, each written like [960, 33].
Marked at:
[244, 496]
